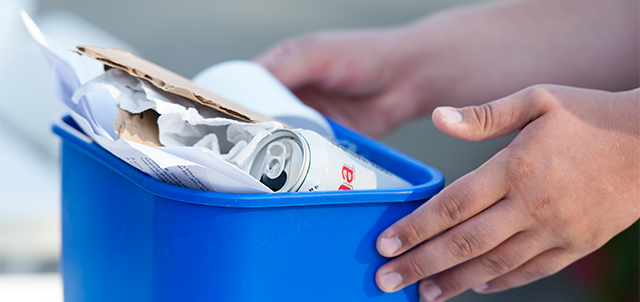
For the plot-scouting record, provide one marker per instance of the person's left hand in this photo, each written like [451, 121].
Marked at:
[568, 183]
[371, 80]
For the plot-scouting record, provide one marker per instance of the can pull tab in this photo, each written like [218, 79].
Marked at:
[274, 175]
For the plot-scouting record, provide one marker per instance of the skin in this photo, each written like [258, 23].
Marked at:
[568, 182]
[458, 58]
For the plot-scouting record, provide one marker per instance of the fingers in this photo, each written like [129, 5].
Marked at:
[295, 62]
[458, 202]
[283, 51]
[506, 257]
[470, 239]
[463, 199]
[357, 112]
[543, 265]
[497, 118]
[336, 106]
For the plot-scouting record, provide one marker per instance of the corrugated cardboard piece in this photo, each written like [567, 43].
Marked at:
[166, 81]
[140, 128]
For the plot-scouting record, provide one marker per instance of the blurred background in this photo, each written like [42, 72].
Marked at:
[186, 37]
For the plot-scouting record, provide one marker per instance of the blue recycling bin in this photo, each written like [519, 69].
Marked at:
[129, 237]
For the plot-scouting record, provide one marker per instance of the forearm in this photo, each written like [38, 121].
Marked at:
[483, 53]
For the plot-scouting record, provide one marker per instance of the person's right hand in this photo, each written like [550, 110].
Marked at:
[364, 79]
[566, 184]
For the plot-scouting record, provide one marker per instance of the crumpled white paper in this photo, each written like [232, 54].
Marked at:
[182, 123]
[199, 167]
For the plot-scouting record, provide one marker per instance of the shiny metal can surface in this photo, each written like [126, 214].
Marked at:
[304, 161]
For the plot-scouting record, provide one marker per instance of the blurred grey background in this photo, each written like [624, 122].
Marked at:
[186, 37]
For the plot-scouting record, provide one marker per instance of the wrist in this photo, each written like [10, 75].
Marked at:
[627, 111]
[429, 61]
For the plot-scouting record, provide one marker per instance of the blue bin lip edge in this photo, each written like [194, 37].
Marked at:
[156, 187]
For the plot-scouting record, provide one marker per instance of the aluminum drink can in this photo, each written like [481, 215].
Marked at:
[304, 161]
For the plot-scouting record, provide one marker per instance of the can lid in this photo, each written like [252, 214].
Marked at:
[279, 161]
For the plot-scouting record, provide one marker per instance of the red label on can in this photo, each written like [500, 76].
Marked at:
[347, 173]
[345, 187]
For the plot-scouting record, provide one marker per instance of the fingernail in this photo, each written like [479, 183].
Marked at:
[389, 246]
[480, 288]
[430, 292]
[390, 281]
[450, 116]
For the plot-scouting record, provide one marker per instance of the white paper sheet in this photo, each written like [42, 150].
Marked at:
[182, 123]
[163, 164]
[191, 167]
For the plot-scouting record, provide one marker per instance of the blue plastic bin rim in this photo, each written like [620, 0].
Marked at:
[65, 127]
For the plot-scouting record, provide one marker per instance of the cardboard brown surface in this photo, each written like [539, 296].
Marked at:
[169, 81]
[140, 128]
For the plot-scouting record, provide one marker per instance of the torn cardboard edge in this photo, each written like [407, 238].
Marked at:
[170, 82]
[141, 128]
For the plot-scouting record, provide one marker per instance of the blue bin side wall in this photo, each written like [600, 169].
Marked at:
[298, 253]
[107, 231]
[121, 243]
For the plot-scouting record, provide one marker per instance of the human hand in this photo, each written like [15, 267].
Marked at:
[568, 183]
[364, 79]
[373, 80]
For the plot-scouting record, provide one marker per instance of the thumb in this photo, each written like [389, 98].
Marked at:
[295, 63]
[494, 119]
